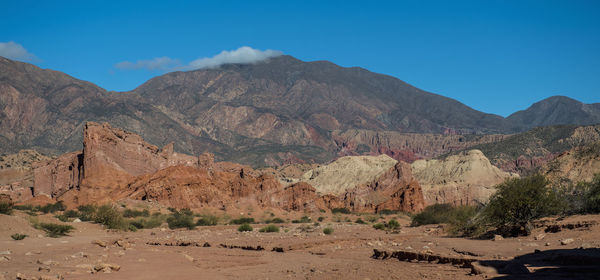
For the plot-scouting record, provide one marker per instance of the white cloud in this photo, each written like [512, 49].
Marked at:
[243, 55]
[15, 51]
[158, 63]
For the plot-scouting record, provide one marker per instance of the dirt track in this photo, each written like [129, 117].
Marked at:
[307, 254]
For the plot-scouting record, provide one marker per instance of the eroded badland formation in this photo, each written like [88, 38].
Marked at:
[332, 164]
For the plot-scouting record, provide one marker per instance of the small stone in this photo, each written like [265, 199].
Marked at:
[107, 267]
[188, 257]
[7, 252]
[122, 243]
[20, 276]
[4, 258]
[498, 237]
[540, 236]
[86, 266]
[77, 220]
[163, 229]
[567, 241]
[141, 260]
[44, 268]
[547, 243]
[99, 243]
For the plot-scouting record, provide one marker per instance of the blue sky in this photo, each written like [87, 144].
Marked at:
[495, 56]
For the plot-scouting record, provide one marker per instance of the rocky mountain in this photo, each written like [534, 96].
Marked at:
[557, 110]
[281, 110]
[526, 152]
[116, 164]
[464, 179]
[579, 164]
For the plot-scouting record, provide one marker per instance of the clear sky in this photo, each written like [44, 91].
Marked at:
[495, 56]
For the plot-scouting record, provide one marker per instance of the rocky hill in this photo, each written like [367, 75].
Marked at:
[526, 152]
[464, 179]
[557, 110]
[579, 164]
[281, 110]
[116, 164]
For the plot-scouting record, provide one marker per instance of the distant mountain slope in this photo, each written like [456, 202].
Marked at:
[45, 110]
[525, 152]
[557, 110]
[281, 110]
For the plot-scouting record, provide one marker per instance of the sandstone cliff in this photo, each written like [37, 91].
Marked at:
[116, 164]
[465, 179]
[579, 164]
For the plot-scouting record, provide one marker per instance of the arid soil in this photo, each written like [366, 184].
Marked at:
[216, 253]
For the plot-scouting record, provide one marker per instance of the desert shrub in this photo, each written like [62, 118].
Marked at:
[153, 221]
[71, 214]
[592, 196]
[110, 217]
[372, 219]
[379, 226]
[26, 207]
[55, 230]
[388, 212]
[461, 219]
[302, 220]
[207, 220]
[242, 220]
[360, 221]
[518, 202]
[130, 213]
[62, 218]
[6, 208]
[18, 236]
[181, 219]
[340, 210]
[269, 228]
[245, 227]
[52, 207]
[393, 224]
[87, 212]
[328, 230]
[320, 219]
[275, 221]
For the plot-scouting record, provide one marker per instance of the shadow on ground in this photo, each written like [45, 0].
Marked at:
[550, 264]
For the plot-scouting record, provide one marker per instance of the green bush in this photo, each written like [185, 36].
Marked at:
[269, 228]
[181, 219]
[151, 222]
[518, 202]
[18, 236]
[6, 208]
[461, 219]
[275, 221]
[340, 210]
[320, 219]
[55, 230]
[302, 220]
[52, 207]
[62, 218]
[592, 196]
[71, 214]
[388, 212]
[130, 213]
[242, 220]
[379, 226]
[87, 212]
[328, 230]
[110, 217]
[393, 224]
[360, 221]
[207, 220]
[26, 207]
[245, 227]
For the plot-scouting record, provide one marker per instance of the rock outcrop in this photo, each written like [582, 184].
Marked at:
[579, 164]
[347, 172]
[465, 179]
[116, 164]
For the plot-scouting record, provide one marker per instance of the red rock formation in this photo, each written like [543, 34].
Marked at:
[56, 176]
[14, 193]
[395, 190]
[299, 197]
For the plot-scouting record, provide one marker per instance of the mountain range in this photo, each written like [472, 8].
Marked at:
[281, 110]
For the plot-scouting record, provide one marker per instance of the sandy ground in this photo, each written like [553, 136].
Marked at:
[307, 253]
